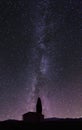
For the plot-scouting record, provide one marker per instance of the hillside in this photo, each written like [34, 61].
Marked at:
[50, 123]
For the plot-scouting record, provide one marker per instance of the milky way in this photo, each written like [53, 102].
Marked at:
[40, 55]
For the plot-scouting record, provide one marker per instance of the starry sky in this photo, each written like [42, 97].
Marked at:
[40, 55]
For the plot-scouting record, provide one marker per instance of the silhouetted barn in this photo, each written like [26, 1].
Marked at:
[35, 116]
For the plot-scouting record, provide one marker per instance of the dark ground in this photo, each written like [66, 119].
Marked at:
[46, 124]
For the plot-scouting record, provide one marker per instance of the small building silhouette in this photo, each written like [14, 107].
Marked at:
[35, 116]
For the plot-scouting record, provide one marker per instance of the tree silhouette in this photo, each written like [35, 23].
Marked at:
[39, 106]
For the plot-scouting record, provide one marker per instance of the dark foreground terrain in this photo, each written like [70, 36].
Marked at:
[52, 124]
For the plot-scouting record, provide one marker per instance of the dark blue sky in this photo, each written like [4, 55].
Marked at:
[40, 55]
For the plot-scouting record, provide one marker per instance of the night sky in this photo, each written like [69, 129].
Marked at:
[40, 55]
